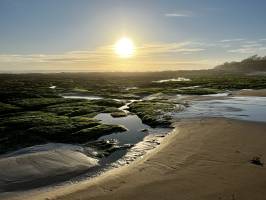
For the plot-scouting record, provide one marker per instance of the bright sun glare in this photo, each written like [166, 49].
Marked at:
[124, 47]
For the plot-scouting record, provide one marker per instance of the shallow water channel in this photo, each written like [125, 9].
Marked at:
[140, 137]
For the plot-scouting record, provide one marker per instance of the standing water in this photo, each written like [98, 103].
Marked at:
[141, 136]
[242, 108]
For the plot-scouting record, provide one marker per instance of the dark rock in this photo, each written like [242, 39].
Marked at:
[256, 161]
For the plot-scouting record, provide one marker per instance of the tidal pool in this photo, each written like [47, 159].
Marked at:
[81, 97]
[141, 136]
[243, 108]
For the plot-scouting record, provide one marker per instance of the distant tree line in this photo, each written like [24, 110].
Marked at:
[252, 64]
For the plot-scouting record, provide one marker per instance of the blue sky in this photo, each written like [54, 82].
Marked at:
[169, 34]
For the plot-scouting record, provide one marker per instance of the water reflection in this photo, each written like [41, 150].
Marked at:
[132, 122]
[140, 135]
[81, 97]
[243, 108]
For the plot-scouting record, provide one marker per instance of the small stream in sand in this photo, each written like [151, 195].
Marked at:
[141, 136]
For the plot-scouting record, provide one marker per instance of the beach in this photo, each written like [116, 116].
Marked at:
[205, 158]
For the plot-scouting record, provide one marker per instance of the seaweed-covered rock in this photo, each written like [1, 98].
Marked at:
[8, 108]
[102, 148]
[154, 113]
[96, 132]
[256, 160]
[31, 128]
[38, 103]
[197, 91]
[119, 114]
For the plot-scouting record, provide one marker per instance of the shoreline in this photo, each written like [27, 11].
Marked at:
[200, 155]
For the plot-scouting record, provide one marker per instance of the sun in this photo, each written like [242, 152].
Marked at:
[124, 47]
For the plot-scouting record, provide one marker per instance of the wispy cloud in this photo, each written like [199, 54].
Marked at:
[176, 15]
[248, 47]
[233, 40]
[252, 45]
[167, 48]
[179, 14]
[242, 50]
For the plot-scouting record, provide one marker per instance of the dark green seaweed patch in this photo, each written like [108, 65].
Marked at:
[42, 120]
[153, 113]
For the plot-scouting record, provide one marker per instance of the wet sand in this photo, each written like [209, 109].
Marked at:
[202, 159]
[259, 93]
[42, 165]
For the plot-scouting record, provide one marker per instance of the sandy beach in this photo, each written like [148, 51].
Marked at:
[200, 159]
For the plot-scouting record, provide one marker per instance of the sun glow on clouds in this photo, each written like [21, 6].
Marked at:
[144, 57]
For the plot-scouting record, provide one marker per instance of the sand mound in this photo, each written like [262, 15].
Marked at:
[41, 165]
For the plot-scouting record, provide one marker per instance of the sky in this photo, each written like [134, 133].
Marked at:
[79, 35]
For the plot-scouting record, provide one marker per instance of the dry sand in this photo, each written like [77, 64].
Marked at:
[202, 159]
